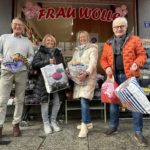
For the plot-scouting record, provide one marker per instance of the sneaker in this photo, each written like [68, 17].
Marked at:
[89, 126]
[55, 126]
[140, 139]
[111, 131]
[47, 128]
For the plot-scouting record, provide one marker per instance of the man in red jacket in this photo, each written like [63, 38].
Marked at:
[122, 56]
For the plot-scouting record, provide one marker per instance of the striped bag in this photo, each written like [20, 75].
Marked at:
[132, 96]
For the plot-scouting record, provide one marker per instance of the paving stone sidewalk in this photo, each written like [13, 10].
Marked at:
[34, 139]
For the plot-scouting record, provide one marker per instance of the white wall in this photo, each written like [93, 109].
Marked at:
[144, 15]
[5, 16]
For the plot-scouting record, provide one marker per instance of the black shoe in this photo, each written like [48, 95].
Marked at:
[111, 131]
[140, 139]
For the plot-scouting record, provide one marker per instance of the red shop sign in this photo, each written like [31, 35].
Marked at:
[32, 10]
[84, 13]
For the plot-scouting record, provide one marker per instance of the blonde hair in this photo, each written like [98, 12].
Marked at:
[84, 32]
[49, 36]
[120, 19]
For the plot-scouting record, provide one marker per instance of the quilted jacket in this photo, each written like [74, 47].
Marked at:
[40, 60]
[132, 51]
[89, 58]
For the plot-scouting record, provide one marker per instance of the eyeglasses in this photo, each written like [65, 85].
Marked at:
[121, 27]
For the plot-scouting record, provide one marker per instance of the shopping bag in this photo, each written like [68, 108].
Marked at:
[11, 65]
[132, 96]
[74, 70]
[55, 78]
[108, 91]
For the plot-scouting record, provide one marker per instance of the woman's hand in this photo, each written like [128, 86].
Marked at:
[68, 73]
[82, 76]
[52, 61]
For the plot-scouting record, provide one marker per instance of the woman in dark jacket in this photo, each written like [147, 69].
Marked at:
[47, 54]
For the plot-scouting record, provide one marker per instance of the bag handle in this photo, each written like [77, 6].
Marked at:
[110, 77]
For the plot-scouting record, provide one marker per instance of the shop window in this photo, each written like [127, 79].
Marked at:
[65, 19]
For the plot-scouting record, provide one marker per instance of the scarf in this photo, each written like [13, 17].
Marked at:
[118, 43]
[81, 49]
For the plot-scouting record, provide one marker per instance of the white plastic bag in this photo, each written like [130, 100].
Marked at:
[132, 96]
[74, 70]
[55, 78]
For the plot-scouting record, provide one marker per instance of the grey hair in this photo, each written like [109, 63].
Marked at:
[121, 19]
[18, 18]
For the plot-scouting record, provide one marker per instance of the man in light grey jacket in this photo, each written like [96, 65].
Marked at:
[16, 53]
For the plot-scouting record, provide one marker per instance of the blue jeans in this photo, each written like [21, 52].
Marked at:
[114, 112]
[85, 111]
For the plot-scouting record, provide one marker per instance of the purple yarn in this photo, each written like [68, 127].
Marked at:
[11, 65]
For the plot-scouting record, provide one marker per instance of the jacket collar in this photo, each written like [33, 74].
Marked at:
[87, 46]
[110, 41]
[46, 50]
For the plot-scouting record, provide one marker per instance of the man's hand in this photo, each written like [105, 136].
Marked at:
[134, 67]
[16, 57]
[1, 59]
[108, 71]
